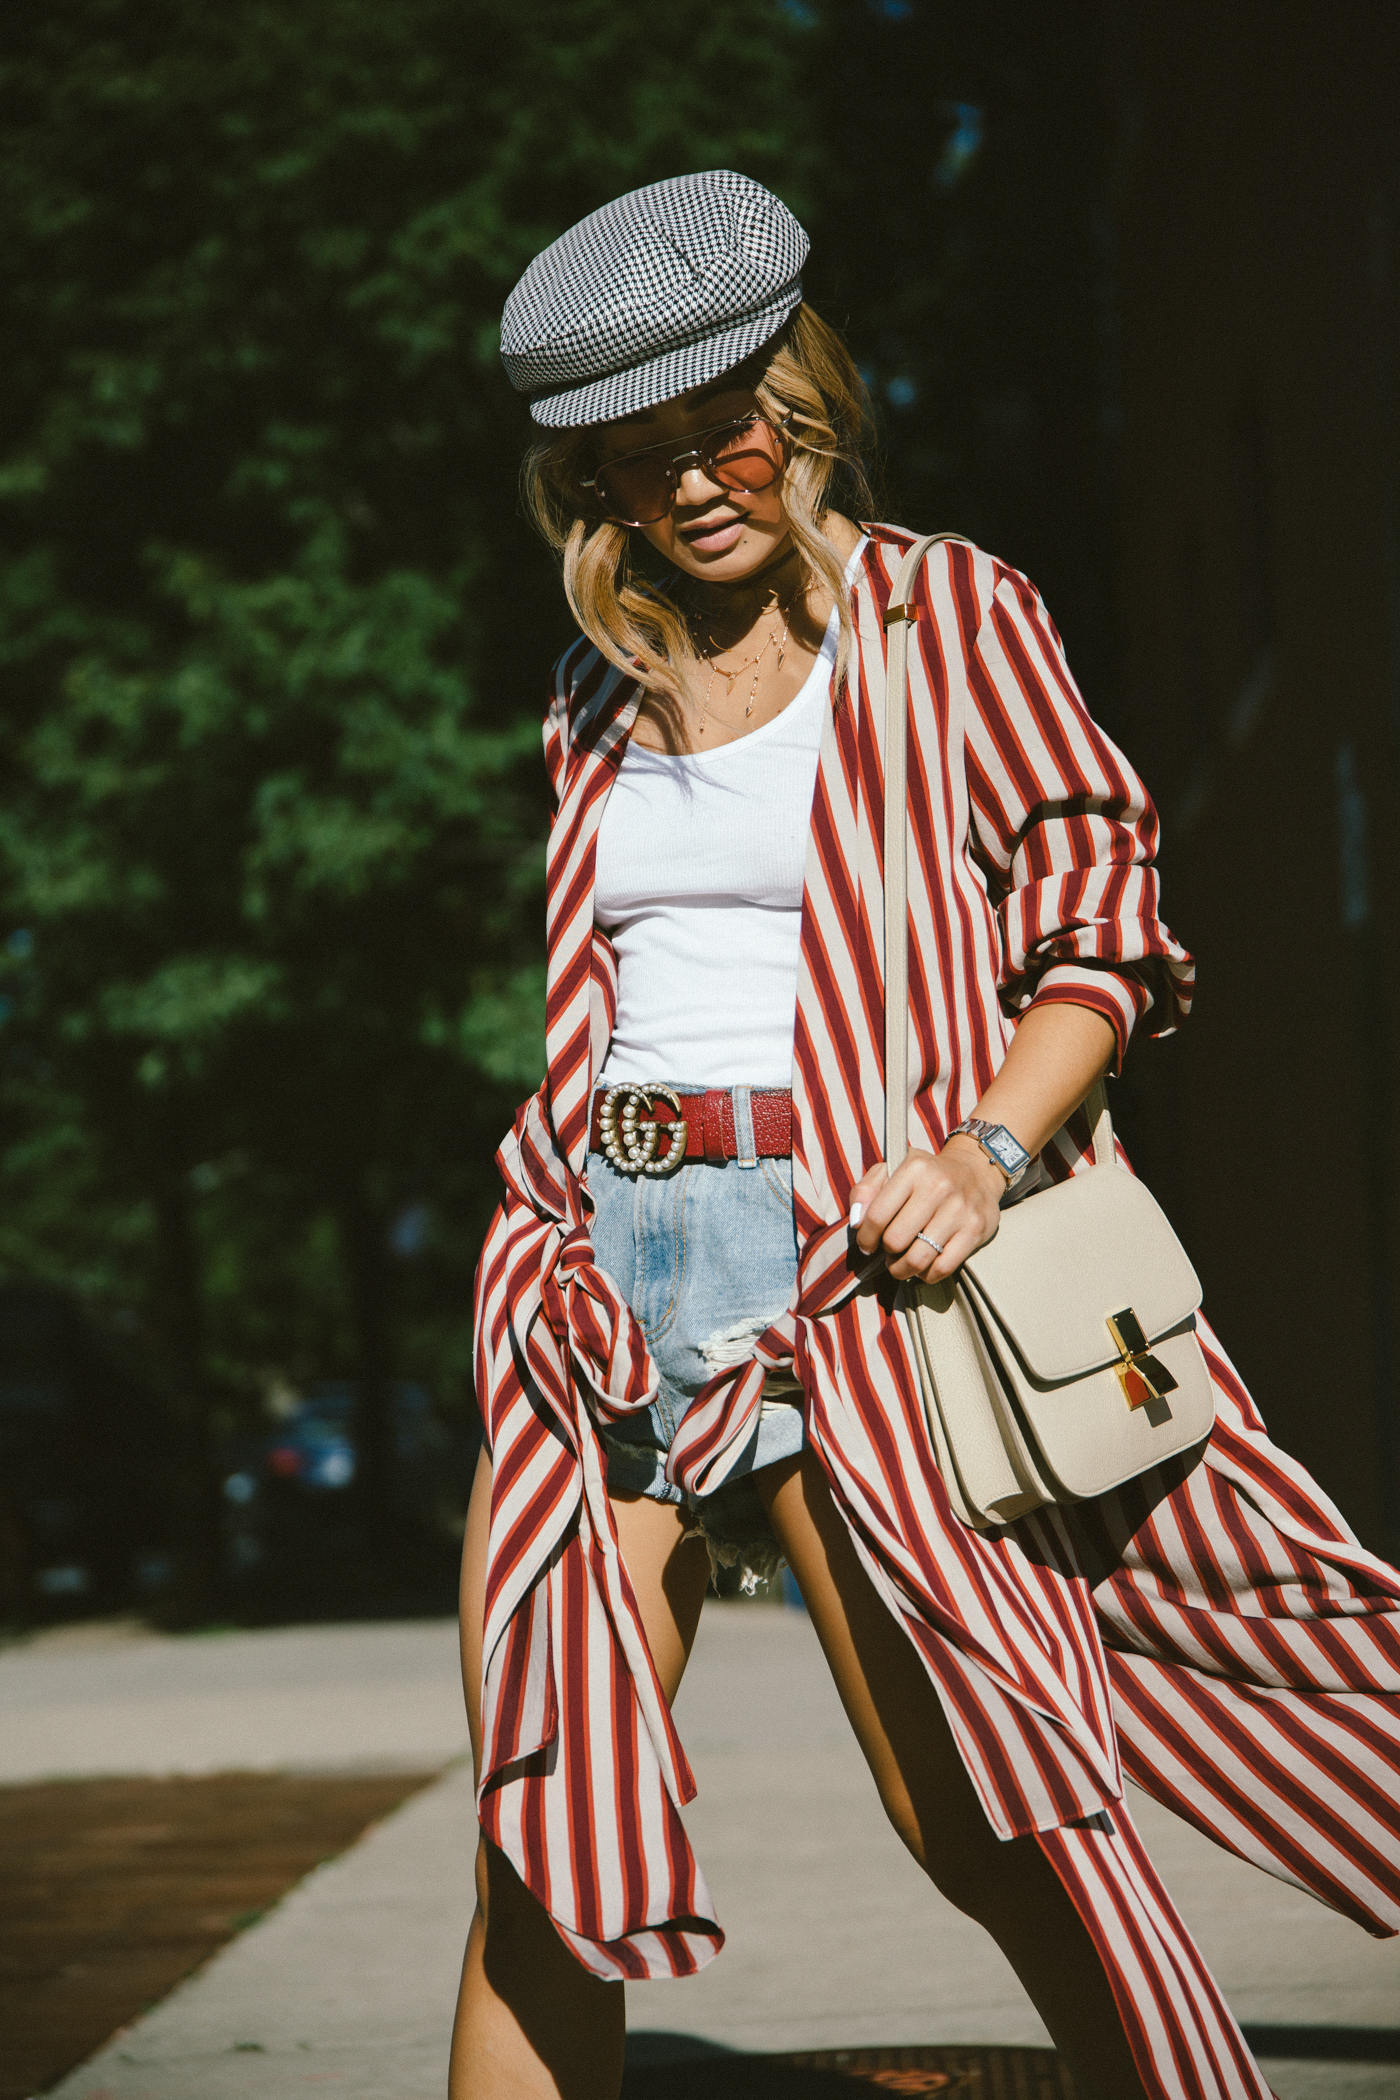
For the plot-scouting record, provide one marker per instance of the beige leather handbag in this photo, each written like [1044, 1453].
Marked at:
[1062, 1359]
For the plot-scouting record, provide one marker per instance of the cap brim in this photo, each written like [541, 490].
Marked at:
[662, 378]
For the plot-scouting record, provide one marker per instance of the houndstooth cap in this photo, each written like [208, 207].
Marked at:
[659, 291]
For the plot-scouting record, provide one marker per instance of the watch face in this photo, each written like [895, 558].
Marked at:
[1004, 1147]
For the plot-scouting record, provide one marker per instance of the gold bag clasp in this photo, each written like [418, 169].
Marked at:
[1140, 1374]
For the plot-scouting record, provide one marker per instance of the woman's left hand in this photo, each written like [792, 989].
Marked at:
[953, 1198]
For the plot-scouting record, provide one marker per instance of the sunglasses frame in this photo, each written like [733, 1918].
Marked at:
[701, 454]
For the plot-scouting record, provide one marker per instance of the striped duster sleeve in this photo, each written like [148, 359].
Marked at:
[1064, 832]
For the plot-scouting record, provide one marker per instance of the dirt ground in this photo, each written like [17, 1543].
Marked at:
[111, 1890]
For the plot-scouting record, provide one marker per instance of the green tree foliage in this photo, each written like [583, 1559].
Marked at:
[274, 637]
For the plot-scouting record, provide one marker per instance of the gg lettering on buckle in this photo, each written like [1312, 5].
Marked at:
[1140, 1374]
[629, 1143]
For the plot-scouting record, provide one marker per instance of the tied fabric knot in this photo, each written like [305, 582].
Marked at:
[722, 1419]
[606, 1342]
[580, 1301]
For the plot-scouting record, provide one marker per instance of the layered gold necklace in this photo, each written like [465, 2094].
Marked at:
[708, 654]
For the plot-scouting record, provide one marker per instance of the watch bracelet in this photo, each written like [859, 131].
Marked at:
[1008, 1175]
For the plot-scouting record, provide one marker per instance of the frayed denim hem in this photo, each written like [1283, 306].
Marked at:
[732, 1521]
[758, 1560]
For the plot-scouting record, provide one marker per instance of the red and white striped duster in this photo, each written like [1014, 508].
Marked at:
[1218, 1635]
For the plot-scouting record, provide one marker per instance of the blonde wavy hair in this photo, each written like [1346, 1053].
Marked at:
[805, 378]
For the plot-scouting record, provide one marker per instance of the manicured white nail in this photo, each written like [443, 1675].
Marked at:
[857, 1213]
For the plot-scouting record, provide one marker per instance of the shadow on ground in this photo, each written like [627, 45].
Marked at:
[678, 2067]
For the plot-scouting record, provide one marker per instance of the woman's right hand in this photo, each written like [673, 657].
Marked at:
[953, 1197]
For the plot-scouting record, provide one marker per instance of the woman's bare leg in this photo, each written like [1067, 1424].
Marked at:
[1010, 1888]
[532, 2023]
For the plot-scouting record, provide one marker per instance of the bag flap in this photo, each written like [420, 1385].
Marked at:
[1071, 1257]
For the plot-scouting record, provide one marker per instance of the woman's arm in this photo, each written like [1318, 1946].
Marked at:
[1057, 1053]
[1062, 827]
[1065, 834]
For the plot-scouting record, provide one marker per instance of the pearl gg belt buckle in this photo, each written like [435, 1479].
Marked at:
[629, 1143]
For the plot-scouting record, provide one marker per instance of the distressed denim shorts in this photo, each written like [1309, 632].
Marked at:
[706, 1258]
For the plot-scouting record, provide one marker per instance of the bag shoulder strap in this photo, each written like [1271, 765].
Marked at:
[899, 618]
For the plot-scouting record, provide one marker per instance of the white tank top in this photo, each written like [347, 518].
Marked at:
[699, 884]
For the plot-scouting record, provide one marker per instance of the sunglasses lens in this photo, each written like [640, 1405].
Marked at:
[749, 458]
[635, 491]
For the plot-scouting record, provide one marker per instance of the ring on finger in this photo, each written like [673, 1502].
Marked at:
[936, 1245]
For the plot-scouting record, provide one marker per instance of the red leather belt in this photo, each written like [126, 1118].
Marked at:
[638, 1126]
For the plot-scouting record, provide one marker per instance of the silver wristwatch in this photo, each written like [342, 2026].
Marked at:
[999, 1145]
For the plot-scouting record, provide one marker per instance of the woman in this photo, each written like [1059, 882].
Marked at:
[687, 1336]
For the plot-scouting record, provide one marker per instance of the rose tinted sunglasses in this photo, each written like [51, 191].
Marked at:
[638, 488]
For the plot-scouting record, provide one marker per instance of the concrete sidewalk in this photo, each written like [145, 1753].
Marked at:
[834, 1937]
[118, 1699]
